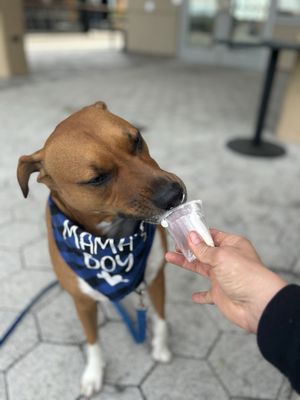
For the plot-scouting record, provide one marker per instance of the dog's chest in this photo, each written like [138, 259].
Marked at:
[154, 263]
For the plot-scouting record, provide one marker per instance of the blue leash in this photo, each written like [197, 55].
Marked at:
[138, 333]
[23, 313]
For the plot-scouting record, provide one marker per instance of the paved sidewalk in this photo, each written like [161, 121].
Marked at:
[189, 113]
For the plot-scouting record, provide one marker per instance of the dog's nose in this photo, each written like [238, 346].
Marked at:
[168, 195]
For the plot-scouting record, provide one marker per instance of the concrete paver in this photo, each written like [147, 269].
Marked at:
[182, 284]
[238, 363]
[126, 362]
[20, 342]
[193, 332]
[183, 379]
[285, 391]
[2, 387]
[16, 291]
[36, 255]
[58, 320]
[48, 372]
[119, 393]
[17, 234]
[5, 216]
[10, 263]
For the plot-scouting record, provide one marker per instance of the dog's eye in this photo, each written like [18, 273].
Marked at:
[100, 179]
[138, 143]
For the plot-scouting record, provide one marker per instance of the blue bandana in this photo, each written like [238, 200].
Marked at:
[113, 267]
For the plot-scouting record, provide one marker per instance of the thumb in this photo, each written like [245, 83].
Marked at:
[202, 251]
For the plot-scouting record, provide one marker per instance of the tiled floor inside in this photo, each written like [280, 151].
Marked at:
[188, 113]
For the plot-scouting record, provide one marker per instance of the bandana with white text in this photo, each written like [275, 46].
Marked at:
[113, 267]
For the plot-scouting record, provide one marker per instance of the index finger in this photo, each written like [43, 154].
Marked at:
[194, 266]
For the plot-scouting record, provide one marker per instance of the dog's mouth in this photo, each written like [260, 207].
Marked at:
[151, 214]
[155, 219]
[151, 219]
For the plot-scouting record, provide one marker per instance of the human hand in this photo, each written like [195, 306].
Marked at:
[241, 286]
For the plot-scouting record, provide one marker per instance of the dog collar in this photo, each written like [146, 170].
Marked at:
[113, 267]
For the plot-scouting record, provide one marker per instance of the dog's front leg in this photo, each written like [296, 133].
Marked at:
[92, 377]
[160, 336]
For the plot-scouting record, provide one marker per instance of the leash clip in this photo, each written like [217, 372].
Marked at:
[141, 294]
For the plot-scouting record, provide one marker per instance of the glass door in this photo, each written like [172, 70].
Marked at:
[201, 15]
[206, 22]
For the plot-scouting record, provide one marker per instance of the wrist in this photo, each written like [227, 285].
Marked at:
[271, 287]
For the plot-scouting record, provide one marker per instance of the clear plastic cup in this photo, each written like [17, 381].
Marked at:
[180, 221]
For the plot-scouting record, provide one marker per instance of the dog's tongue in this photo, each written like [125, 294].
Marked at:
[164, 223]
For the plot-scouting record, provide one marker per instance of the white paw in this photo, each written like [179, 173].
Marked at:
[160, 349]
[91, 381]
[161, 354]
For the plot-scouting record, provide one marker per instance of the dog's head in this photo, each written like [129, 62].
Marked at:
[97, 164]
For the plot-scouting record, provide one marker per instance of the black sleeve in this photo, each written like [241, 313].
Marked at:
[278, 334]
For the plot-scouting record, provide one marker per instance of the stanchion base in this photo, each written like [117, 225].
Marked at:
[264, 149]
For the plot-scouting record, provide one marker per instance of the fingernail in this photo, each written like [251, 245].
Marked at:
[195, 238]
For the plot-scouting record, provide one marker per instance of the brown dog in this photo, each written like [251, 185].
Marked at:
[101, 176]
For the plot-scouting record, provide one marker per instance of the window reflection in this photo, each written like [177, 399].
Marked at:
[248, 19]
[201, 17]
[289, 7]
[237, 20]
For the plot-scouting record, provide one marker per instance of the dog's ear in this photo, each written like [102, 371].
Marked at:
[26, 166]
[101, 105]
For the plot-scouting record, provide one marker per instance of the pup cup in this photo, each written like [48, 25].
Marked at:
[180, 221]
